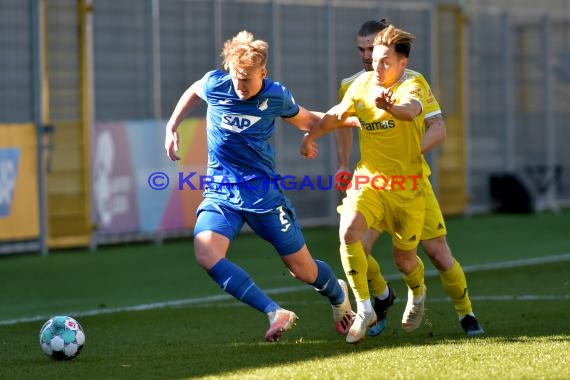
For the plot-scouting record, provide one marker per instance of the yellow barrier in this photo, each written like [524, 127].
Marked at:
[19, 211]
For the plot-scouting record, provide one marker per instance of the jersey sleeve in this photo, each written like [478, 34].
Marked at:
[346, 82]
[290, 108]
[415, 90]
[346, 104]
[203, 85]
[431, 105]
[419, 89]
[342, 89]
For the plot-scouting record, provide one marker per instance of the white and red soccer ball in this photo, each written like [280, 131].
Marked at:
[62, 338]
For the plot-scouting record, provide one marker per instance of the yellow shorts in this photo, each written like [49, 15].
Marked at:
[434, 224]
[402, 217]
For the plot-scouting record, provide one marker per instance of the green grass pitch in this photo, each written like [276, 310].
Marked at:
[186, 328]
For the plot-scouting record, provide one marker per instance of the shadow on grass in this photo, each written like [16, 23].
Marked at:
[217, 341]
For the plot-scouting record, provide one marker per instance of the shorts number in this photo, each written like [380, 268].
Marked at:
[283, 219]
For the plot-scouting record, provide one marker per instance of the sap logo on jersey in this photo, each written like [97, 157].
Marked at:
[238, 123]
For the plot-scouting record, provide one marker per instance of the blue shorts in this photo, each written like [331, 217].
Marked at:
[276, 223]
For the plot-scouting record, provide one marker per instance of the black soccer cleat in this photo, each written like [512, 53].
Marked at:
[381, 309]
[471, 326]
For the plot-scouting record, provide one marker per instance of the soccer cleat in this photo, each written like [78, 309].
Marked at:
[280, 320]
[471, 326]
[414, 312]
[342, 314]
[381, 308]
[362, 321]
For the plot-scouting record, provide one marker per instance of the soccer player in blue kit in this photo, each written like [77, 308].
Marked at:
[242, 107]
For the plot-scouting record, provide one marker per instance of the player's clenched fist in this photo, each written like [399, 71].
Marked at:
[309, 148]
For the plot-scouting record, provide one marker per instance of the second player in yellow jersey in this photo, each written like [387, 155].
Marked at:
[391, 105]
[433, 239]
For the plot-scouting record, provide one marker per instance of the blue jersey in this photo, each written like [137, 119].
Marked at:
[239, 131]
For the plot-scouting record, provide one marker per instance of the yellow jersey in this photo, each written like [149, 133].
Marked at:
[345, 84]
[388, 146]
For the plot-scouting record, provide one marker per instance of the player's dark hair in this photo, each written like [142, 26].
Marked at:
[372, 27]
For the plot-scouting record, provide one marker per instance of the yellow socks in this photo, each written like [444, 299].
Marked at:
[355, 267]
[455, 285]
[415, 279]
[376, 282]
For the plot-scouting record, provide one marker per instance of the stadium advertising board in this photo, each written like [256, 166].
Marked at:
[124, 155]
[19, 210]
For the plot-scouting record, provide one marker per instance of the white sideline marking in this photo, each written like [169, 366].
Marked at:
[291, 289]
[498, 265]
[505, 297]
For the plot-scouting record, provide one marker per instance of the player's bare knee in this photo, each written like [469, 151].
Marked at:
[204, 260]
[303, 274]
[368, 239]
[204, 256]
[294, 274]
[441, 260]
[405, 266]
[301, 265]
[350, 234]
[439, 253]
[405, 262]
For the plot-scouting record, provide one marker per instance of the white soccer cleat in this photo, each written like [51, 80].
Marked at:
[280, 320]
[362, 321]
[342, 314]
[414, 312]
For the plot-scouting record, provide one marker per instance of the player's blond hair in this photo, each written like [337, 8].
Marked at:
[244, 51]
[400, 39]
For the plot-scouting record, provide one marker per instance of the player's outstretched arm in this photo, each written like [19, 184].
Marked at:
[333, 119]
[187, 102]
[343, 143]
[305, 120]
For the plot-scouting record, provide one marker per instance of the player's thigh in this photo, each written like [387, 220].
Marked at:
[214, 231]
[279, 227]
[216, 217]
[360, 210]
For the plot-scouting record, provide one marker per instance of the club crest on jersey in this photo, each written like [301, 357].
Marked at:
[263, 104]
[238, 123]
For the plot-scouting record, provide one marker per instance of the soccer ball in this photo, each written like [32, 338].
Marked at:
[62, 338]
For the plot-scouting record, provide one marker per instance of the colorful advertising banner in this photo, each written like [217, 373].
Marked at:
[114, 197]
[130, 171]
[19, 212]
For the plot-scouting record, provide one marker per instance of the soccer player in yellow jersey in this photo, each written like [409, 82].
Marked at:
[387, 189]
[433, 238]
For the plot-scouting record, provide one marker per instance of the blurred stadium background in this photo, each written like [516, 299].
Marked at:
[86, 88]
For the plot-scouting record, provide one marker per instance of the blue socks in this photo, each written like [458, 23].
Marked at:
[327, 283]
[239, 284]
